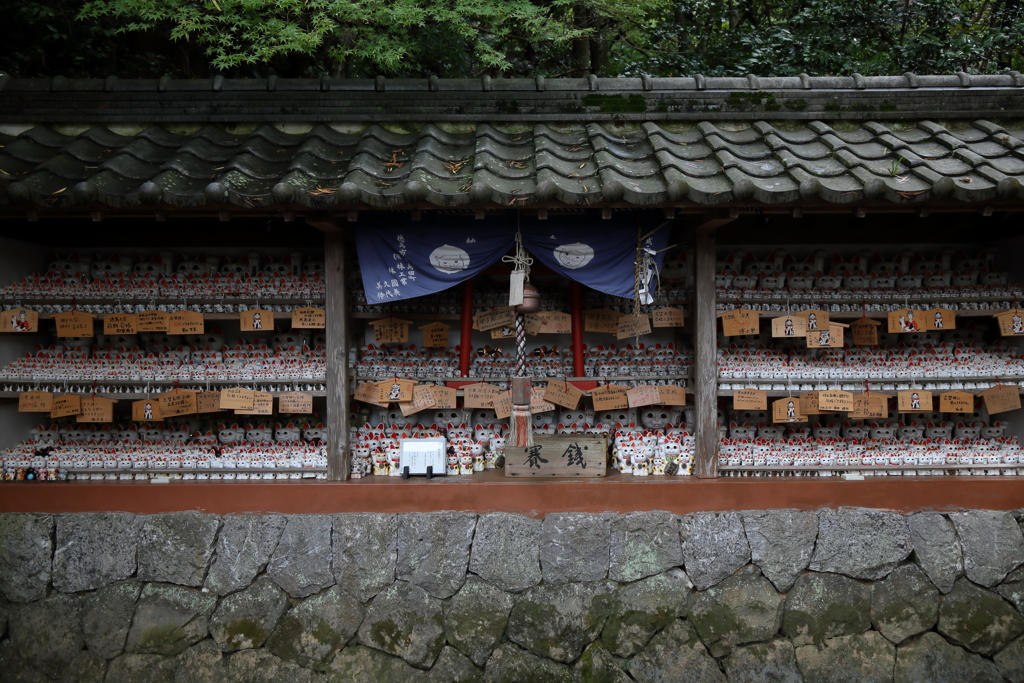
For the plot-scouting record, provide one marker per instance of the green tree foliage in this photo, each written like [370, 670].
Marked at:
[467, 38]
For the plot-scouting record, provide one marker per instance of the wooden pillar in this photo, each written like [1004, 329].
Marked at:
[466, 333]
[337, 357]
[705, 362]
[576, 300]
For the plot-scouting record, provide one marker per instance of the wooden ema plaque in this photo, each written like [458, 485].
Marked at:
[236, 398]
[914, 401]
[749, 399]
[186, 322]
[177, 402]
[395, 390]
[19, 320]
[668, 317]
[96, 409]
[1011, 322]
[632, 326]
[864, 332]
[152, 321]
[309, 318]
[146, 410]
[609, 397]
[816, 318]
[367, 393]
[940, 319]
[835, 401]
[74, 324]
[444, 397]
[671, 395]
[563, 394]
[559, 456]
[554, 322]
[869, 406]
[207, 402]
[830, 338]
[262, 404]
[740, 321]
[643, 395]
[787, 410]
[35, 402]
[789, 325]
[66, 405]
[809, 403]
[906, 320]
[256, 320]
[504, 332]
[488, 320]
[120, 323]
[601, 320]
[532, 323]
[422, 398]
[390, 331]
[537, 403]
[479, 395]
[1001, 398]
[503, 405]
[295, 403]
[956, 402]
[435, 335]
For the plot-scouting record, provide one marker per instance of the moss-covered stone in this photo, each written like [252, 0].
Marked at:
[822, 606]
[168, 619]
[978, 619]
[743, 608]
[643, 608]
[904, 604]
[597, 665]
[861, 658]
[771, 662]
[675, 656]
[358, 664]
[558, 622]
[245, 620]
[930, 658]
[406, 621]
[510, 664]
[475, 620]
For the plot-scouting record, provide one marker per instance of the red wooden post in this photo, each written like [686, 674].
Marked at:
[466, 338]
[576, 302]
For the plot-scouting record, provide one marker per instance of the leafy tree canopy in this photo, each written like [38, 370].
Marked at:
[467, 38]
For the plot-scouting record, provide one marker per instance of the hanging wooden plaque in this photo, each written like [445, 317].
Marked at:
[538, 404]
[869, 406]
[601, 320]
[817, 319]
[367, 393]
[503, 332]
[740, 321]
[395, 390]
[479, 395]
[609, 397]
[120, 323]
[532, 323]
[186, 322]
[787, 410]
[177, 402]
[207, 402]
[668, 317]
[390, 331]
[749, 399]
[236, 398]
[444, 397]
[35, 402]
[309, 318]
[672, 395]
[295, 403]
[488, 320]
[554, 322]
[632, 326]
[914, 401]
[1011, 322]
[74, 324]
[153, 321]
[262, 404]
[790, 326]
[906, 320]
[19, 320]
[503, 405]
[956, 402]
[864, 332]
[146, 410]
[1001, 398]
[809, 403]
[435, 335]
[831, 338]
[941, 319]
[833, 401]
[422, 398]
[643, 395]
[256, 320]
[66, 405]
[96, 409]
[563, 394]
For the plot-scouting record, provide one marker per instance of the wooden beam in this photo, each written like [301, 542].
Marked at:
[337, 357]
[324, 222]
[705, 365]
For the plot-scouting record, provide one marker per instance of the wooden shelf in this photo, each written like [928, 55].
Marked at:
[142, 394]
[883, 315]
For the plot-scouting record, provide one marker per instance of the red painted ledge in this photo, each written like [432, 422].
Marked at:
[489, 491]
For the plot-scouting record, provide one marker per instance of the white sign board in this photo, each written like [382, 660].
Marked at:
[419, 454]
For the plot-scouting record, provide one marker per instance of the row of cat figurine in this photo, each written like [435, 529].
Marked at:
[166, 263]
[213, 339]
[190, 430]
[863, 261]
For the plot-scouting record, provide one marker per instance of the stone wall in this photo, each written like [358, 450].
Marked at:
[836, 595]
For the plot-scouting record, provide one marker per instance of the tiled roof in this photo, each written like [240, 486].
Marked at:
[535, 100]
[642, 164]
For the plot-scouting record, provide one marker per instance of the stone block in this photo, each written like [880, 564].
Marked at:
[575, 546]
[314, 630]
[301, 563]
[475, 619]
[168, 619]
[365, 552]
[243, 548]
[643, 544]
[48, 633]
[992, 543]
[823, 606]
[107, 615]
[406, 621]
[937, 549]
[860, 543]
[26, 552]
[642, 608]
[904, 604]
[861, 658]
[743, 608]
[433, 550]
[978, 619]
[714, 546]
[94, 549]
[781, 543]
[245, 620]
[506, 551]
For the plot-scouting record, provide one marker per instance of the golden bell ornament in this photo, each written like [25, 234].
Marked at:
[531, 300]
